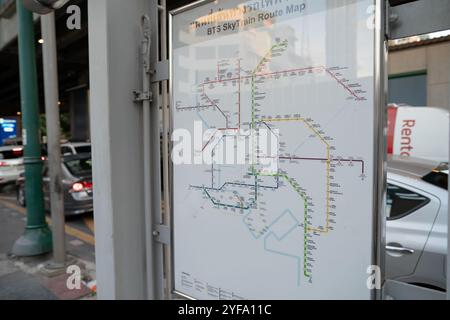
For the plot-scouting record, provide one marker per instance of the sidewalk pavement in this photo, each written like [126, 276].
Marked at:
[24, 278]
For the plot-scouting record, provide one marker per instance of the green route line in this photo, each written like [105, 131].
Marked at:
[253, 122]
[303, 195]
[260, 65]
[306, 222]
[294, 185]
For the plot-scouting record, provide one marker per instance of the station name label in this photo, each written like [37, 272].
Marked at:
[246, 15]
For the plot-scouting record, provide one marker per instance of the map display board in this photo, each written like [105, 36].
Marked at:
[273, 108]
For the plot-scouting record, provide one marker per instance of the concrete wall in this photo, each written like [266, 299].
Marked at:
[435, 60]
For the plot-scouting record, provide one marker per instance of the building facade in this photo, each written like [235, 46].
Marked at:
[419, 73]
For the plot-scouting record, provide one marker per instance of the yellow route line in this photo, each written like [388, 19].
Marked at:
[299, 119]
[69, 230]
[327, 228]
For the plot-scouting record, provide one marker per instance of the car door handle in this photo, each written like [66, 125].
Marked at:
[399, 249]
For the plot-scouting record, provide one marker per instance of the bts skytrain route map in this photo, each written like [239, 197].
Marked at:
[272, 107]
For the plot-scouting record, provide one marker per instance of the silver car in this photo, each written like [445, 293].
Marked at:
[11, 163]
[416, 230]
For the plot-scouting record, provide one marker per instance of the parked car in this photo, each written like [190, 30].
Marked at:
[75, 148]
[76, 181]
[416, 231]
[13, 142]
[69, 148]
[11, 163]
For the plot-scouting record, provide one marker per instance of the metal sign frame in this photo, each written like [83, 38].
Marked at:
[380, 154]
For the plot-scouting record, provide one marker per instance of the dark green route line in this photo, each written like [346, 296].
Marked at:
[282, 46]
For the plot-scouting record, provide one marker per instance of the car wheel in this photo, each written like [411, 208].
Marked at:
[21, 196]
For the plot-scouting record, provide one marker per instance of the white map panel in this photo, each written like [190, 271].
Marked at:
[303, 71]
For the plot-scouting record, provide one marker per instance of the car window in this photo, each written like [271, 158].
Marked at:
[66, 151]
[15, 153]
[438, 179]
[402, 202]
[83, 149]
[79, 167]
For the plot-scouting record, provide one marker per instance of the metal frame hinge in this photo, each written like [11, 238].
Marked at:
[139, 96]
[161, 234]
[160, 71]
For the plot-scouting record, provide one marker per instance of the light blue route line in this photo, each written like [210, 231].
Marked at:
[279, 239]
[257, 237]
[207, 127]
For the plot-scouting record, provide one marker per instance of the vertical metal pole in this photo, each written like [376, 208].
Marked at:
[156, 150]
[53, 138]
[165, 141]
[380, 116]
[147, 140]
[448, 247]
[37, 238]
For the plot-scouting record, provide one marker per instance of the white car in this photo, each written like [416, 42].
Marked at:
[11, 163]
[416, 229]
[71, 148]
